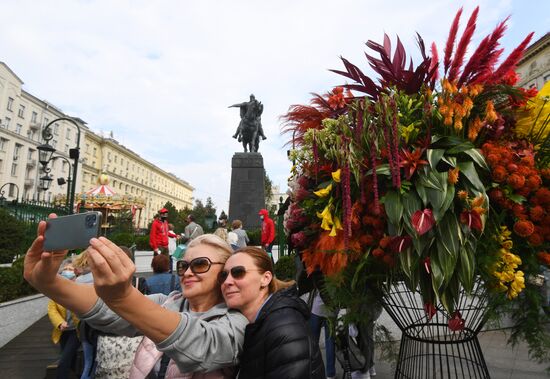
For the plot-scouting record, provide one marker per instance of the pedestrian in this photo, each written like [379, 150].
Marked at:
[158, 238]
[237, 228]
[192, 230]
[162, 281]
[278, 342]
[268, 231]
[65, 325]
[232, 239]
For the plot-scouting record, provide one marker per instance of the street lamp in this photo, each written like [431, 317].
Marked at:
[45, 156]
[61, 181]
[2, 197]
[45, 182]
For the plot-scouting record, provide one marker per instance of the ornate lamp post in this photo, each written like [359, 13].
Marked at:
[45, 156]
[61, 181]
[2, 197]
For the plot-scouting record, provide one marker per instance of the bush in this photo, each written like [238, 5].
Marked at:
[285, 268]
[142, 243]
[12, 283]
[255, 236]
[122, 239]
[13, 239]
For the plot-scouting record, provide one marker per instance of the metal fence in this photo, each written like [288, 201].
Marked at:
[31, 211]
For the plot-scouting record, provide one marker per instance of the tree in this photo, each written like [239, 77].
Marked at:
[268, 188]
[13, 239]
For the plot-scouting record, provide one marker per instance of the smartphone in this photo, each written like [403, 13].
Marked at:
[71, 232]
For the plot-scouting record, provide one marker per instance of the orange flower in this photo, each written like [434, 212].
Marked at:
[462, 195]
[516, 181]
[536, 213]
[544, 258]
[524, 228]
[499, 174]
[453, 175]
[490, 114]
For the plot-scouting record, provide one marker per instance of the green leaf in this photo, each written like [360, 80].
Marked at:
[478, 158]
[449, 236]
[446, 260]
[438, 275]
[466, 267]
[518, 199]
[394, 207]
[421, 190]
[383, 169]
[434, 156]
[359, 268]
[469, 171]
[460, 148]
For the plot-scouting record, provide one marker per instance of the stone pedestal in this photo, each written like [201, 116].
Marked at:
[247, 189]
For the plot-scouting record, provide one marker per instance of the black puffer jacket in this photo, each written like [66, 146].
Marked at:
[279, 343]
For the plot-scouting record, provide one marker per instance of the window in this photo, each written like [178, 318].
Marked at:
[54, 163]
[4, 144]
[54, 143]
[33, 117]
[87, 148]
[68, 134]
[7, 122]
[95, 152]
[1, 165]
[10, 104]
[11, 192]
[56, 129]
[18, 128]
[116, 158]
[45, 121]
[14, 169]
[16, 151]
[66, 148]
[114, 170]
[21, 112]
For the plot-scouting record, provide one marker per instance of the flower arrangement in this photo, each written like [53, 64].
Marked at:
[433, 180]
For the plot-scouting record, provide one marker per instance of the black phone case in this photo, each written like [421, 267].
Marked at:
[71, 232]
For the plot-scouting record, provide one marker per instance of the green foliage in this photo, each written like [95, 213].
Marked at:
[12, 283]
[122, 239]
[142, 242]
[268, 187]
[121, 222]
[13, 239]
[255, 236]
[285, 268]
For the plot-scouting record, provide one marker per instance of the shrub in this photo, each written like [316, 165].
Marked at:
[13, 239]
[255, 236]
[142, 242]
[285, 268]
[12, 283]
[122, 239]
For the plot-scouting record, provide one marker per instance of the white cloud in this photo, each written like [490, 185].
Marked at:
[161, 74]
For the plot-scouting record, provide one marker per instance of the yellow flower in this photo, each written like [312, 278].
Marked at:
[336, 176]
[337, 226]
[507, 244]
[533, 121]
[324, 191]
[406, 132]
[326, 218]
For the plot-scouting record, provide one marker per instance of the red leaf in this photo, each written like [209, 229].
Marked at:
[423, 221]
[451, 41]
[472, 219]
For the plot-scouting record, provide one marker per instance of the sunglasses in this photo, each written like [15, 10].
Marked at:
[198, 265]
[237, 272]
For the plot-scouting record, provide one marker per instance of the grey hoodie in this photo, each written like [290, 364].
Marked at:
[201, 342]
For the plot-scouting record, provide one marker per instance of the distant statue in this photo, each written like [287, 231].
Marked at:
[250, 128]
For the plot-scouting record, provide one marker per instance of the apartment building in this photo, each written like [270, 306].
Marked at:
[22, 117]
[130, 174]
[534, 67]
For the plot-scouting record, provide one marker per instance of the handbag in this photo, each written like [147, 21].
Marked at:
[349, 354]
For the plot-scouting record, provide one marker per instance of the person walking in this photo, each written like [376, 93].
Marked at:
[237, 228]
[192, 230]
[158, 238]
[268, 231]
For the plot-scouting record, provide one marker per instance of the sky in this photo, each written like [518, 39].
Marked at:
[161, 74]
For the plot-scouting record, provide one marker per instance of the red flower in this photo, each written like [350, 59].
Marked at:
[423, 221]
[427, 264]
[516, 181]
[430, 310]
[499, 174]
[524, 228]
[411, 161]
[456, 323]
[472, 219]
[536, 239]
[536, 213]
[400, 243]
[336, 100]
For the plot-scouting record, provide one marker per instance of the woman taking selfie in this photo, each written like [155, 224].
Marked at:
[278, 342]
[198, 333]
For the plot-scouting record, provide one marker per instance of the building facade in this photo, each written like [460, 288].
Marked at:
[22, 117]
[534, 67]
[129, 174]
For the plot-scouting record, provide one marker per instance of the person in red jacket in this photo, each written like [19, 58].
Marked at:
[268, 231]
[158, 239]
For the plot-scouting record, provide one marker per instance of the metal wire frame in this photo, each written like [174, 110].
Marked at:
[429, 348]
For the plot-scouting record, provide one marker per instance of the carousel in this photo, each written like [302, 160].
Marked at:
[104, 199]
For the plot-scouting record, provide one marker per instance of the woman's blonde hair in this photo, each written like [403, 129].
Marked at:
[221, 246]
[222, 233]
[263, 263]
[81, 260]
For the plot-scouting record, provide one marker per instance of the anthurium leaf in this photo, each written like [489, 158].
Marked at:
[447, 261]
[438, 275]
[465, 145]
[469, 171]
[478, 158]
[411, 203]
[466, 267]
[394, 207]
[451, 161]
[358, 270]
[434, 156]
[421, 190]
[449, 235]
[383, 169]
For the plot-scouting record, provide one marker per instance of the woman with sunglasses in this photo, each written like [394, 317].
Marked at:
[278, 342]
[183, 335]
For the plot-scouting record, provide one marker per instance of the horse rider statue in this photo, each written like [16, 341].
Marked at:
[250, 128]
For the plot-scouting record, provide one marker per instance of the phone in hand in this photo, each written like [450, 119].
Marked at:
[71, 232]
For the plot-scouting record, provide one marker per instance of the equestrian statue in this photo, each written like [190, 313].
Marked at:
[250, 128]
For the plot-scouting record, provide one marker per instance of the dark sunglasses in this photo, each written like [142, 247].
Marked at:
[198, 265]
[237, 272]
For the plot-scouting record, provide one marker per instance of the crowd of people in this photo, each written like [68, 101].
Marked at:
[222, 314]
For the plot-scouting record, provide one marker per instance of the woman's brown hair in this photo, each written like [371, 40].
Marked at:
[160, 264]
[263, 262]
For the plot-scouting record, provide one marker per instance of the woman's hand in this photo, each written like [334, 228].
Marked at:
[112, 270]
[41, 267]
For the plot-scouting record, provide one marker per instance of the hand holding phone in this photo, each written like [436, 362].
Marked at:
[71, 232]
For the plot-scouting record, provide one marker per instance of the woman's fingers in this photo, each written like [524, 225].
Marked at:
[123, 258]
